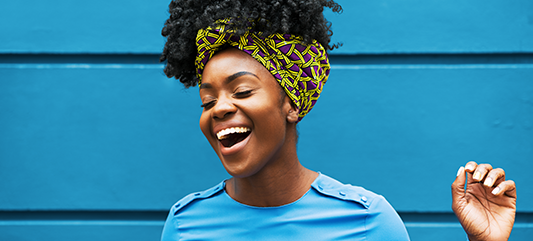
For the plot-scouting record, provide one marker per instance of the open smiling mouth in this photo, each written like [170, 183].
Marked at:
[231, 136]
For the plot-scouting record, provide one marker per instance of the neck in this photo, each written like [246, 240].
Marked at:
[284, 180]
[272, 189]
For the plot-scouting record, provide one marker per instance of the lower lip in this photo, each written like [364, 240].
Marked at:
[227, 151]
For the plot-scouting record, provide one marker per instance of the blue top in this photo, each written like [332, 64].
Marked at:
[330, 210]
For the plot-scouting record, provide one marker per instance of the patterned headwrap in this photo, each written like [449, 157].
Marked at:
[301, 69]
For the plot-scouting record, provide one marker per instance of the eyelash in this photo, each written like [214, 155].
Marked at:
[242, 93]
[207, 104]
[238, 95]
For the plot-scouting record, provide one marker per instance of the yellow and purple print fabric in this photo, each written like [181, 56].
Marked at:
[301, 69]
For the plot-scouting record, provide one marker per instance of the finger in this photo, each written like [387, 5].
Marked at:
[506, 187]
[481, 171]
[458, 188]
[470, 166]
[494, 177]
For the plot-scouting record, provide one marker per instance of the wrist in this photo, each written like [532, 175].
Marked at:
[471, 238]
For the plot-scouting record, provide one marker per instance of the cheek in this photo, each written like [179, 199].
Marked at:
[269, 122]
[204, 125]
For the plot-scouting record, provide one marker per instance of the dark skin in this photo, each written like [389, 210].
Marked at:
[486, 207]
[238, 92]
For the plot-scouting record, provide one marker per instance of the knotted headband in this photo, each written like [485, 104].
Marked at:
[301, 69]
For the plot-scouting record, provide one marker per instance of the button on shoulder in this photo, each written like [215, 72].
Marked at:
[333, 188]
[197, 195]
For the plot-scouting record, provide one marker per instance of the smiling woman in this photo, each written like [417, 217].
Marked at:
[260, 72]
[246, 96]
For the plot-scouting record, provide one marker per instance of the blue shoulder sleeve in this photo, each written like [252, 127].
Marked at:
[383, 223]
[171, 228]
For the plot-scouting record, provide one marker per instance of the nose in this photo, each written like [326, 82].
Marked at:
[223, 108]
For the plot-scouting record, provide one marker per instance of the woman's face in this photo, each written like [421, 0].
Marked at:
[245, 112]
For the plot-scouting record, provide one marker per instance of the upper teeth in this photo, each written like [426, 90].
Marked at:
[223, 134]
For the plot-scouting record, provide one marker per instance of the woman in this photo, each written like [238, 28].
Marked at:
[260, 67]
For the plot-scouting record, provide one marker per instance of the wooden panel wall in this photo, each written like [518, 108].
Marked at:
[96, 143]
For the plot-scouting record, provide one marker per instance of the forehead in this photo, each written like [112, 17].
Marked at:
[229, 61]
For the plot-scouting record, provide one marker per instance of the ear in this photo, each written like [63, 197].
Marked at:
[292, 110]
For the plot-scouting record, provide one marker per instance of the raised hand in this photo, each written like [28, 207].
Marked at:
[486, 206]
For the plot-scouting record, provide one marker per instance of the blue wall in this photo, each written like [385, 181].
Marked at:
[96, 143]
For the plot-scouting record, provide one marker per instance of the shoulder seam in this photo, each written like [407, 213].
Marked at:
[195, 196]
[333, 188]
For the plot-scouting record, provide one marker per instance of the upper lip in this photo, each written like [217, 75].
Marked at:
[226, 125]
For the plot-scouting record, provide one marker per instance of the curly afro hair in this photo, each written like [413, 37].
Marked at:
[298, 17]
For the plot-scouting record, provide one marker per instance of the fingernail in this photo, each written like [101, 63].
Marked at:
[461, 169]
[488, 182]
[496, 190]
[477, 176]
[469, 167]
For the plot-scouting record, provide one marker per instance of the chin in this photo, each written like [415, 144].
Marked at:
[240, 170]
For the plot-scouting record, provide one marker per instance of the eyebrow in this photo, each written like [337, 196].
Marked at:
[230, 78]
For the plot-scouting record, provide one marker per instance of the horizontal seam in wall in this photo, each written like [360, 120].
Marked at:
[334, 67]
[335, 59]
[81, 223]
[111, 217]
[81, 66]
[434, 66]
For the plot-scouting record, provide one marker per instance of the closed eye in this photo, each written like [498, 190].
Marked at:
[208, 104]
[241, 94]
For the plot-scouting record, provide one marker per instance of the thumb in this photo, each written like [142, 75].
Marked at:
[458, 188]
